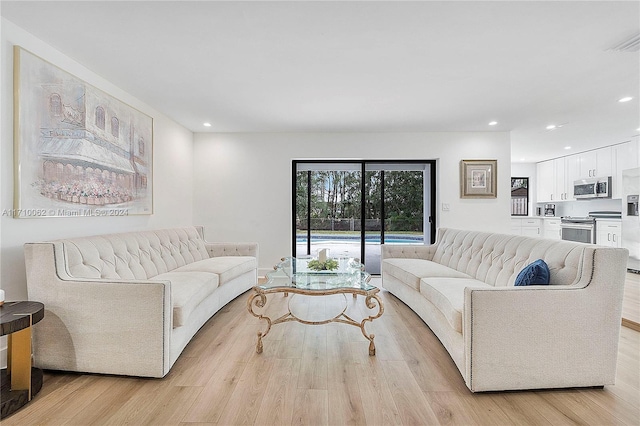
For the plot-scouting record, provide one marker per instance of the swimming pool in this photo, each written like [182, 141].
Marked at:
[372, 239]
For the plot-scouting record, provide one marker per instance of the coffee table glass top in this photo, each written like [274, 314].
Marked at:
[294, 272]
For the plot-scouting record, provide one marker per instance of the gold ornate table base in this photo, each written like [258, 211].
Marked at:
[259, 299]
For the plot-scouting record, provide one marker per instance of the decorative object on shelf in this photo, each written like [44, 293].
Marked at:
[478, 178]
[322, 255]
[326, 265]
[78, 151]
[1, 297]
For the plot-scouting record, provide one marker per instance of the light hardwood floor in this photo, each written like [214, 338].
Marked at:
[323, 375]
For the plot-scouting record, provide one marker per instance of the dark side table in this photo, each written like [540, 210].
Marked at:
[19, 381]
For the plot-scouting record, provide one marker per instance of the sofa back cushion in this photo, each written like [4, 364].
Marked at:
[497, 259]
[133, 255]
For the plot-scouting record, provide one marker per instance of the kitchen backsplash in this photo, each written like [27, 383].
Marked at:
[583, 207]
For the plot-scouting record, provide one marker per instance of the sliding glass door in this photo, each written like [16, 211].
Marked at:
[328, 204]
[351, 207]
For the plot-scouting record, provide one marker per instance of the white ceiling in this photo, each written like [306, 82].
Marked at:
[365, 66]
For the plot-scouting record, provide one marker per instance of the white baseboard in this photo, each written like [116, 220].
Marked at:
[262, 272]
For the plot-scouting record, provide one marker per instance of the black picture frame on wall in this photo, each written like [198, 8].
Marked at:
[519, 196]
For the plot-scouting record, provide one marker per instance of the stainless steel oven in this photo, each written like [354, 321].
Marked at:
[580, 229]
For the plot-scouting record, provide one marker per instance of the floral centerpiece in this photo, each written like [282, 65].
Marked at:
[323, 265]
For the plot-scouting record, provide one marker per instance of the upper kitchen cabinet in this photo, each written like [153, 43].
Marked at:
[555, 177]
[552, 183]
[591, 164]
[625, 156]
[564, 189]
[546, 181]
[587, 165]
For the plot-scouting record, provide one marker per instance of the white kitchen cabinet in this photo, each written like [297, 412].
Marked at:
[555, 177]
[563, 188]
[546, 183]
[551, 181]
[526, 226]
[596, 163]
[608, 232]
[625, 156]
[572, 173]
[516, 227]
[604, 162]
[551, 228]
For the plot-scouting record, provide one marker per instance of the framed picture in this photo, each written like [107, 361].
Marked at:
[78, 151]
[478, 178]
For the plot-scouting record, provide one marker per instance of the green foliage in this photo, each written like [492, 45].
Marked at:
[327, 265]
[404, 200]
[337, 194]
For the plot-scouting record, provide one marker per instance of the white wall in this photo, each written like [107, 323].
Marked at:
[172, 170]
[242, 181]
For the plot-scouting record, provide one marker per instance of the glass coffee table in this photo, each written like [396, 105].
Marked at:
[293, 275]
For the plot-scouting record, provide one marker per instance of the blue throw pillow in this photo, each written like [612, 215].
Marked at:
[536, 273]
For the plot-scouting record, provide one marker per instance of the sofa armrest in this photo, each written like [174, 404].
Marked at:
[541, 336]
[409, 251]
[98, 325]
[232, 249]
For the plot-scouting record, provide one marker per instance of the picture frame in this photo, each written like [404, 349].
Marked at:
[78, 151]
[478, 178]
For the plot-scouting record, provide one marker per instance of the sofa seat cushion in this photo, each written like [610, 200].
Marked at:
[227, 267]
[447, 294]
[188, 289]
[411, 271]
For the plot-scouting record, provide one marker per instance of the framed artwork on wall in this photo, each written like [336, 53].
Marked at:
[78, 151]
[478, 178]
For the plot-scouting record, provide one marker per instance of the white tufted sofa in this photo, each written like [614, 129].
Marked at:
[503, 337]
[129, 303]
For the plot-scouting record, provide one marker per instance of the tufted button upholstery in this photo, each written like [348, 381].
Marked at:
[497, 259]
[136, 255]
[502, 337]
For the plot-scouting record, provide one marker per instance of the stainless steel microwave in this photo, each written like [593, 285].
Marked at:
[592, 188]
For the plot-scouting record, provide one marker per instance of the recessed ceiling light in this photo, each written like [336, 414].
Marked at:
[625, 99]
[567, 147]
[493, 123]
[555, 126]
[206, 124]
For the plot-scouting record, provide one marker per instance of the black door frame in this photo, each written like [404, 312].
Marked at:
[363, 163]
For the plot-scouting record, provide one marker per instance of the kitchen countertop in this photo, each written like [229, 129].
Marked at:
[535, 217]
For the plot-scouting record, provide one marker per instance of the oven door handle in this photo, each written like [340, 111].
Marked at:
[575, 226]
